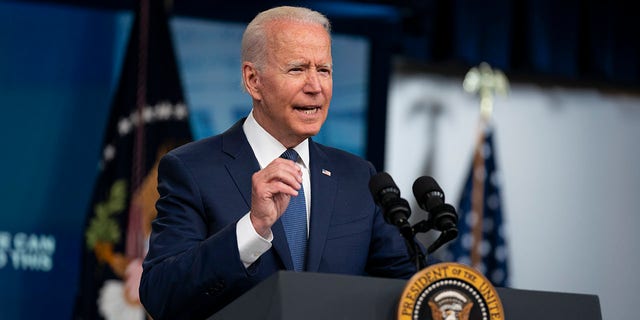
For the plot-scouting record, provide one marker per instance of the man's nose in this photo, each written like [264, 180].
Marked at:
[312, 84]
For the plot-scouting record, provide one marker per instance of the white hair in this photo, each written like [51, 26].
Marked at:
[254, 44]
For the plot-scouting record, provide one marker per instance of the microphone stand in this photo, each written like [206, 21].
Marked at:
[415, 252]
[445, 236]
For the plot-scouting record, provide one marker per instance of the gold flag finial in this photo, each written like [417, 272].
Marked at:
[486, 81]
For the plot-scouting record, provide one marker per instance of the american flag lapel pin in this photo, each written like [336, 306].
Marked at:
[326, 172]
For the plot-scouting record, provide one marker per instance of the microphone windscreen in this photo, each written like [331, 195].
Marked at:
[380, 181]
[427, 192]
[383, 188]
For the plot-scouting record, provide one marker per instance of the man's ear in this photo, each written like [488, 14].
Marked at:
[251, 81]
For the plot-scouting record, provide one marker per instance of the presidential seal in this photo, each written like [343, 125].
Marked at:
[449, 291]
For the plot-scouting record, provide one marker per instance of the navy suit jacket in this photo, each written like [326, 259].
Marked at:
[193, 267]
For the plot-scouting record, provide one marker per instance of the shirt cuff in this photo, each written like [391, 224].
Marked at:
[250, 244]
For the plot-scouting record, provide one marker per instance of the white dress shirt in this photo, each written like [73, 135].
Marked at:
[266, 149]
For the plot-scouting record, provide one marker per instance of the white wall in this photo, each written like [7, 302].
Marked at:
[569, 160]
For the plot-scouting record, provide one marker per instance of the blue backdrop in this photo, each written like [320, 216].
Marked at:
[56, 73]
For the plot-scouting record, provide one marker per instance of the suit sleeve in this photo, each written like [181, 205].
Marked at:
[188, 272]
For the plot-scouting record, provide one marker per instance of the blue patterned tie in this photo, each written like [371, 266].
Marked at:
[294, 220]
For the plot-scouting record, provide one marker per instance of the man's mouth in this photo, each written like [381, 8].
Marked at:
[308, 109]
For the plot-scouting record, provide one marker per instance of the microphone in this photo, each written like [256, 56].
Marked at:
[396, 210]
[430, 197]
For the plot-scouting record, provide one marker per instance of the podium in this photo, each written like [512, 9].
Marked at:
[315, 296]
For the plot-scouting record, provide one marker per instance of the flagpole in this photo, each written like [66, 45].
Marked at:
[485, 82]
[135, 242]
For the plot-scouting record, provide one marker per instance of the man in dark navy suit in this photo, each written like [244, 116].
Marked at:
[221, 226]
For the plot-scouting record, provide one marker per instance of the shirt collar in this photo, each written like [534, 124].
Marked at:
[266, 148]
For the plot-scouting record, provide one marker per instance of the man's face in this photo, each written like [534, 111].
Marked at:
[294, 87]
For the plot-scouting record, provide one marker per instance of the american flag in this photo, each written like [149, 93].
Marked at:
[481, 241]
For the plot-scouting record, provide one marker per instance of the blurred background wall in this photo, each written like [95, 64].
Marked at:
[566, 136]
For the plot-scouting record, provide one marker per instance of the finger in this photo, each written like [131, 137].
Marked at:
[281, 170]
[267, 183]
[285, 164]
[272, 187]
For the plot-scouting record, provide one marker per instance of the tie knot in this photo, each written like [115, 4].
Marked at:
[290, 154]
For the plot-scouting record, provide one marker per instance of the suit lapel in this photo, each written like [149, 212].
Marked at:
[243, 162]
[323, 191]
[241, 168]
